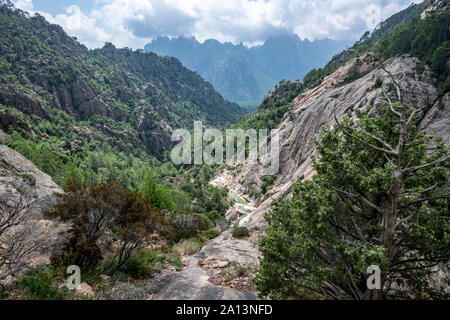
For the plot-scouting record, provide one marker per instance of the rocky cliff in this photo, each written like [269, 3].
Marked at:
[412, 44]
[25, 194]
[313, 110]
[16, 170]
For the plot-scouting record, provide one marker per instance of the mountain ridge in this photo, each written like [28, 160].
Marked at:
[244, 74]
[47, 75]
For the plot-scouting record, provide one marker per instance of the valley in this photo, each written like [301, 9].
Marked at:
[87, 177]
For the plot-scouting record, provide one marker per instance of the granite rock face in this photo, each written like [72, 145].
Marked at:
[313, 111]
[193, 282]
[16, 168]
[29, 191]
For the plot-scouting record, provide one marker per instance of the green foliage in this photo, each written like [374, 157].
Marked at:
[145, 264]
[241, 271]
[45, 155]
[159, 195]
[210, 202]
[267, 182]
[273, 108]
[38, 284]
[378, 84]
[320, 243]
[211, 234]
[241, 232]
[185, 226]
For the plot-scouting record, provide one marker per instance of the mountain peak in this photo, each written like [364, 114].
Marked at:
[246, 74]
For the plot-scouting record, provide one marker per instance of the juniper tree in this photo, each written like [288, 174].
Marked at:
[380, 197]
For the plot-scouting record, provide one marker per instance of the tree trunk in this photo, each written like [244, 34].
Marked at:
[389, 225]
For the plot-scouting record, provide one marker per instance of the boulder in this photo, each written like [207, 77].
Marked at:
[16, 168]
[85, 290]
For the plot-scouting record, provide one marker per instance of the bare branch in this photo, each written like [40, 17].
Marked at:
[413, 114]
[424, 166]
[422, 191]
[360, 197]
[387, 145]
[391, 152]
[442, 196]
[397, 85]
[391, 105]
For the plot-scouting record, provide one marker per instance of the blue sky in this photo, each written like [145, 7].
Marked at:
[133, 23]
[59, 6]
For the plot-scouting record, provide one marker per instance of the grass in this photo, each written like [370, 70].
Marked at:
[145, 263]
[189, 246]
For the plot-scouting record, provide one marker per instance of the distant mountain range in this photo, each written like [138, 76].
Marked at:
[244, 74]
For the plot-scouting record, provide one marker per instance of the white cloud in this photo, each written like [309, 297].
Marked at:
[76, 23]
[134, 23]
[26, 5]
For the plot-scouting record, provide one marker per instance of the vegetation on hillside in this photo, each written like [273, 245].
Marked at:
[116, 138]
[273, 108]
[98, 115]
[403, 33]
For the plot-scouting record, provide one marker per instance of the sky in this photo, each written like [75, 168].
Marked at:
[134, 23]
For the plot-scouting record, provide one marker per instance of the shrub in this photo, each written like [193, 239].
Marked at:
[241, 232]
[145, 263]
[38, 284]
[186, 226]
[241, 271]
[106, 209]
[211, 234]
[141, 265]
[378, 83]
[78, 252]
[267, 183]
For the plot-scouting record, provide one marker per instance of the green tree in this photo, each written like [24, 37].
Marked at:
[378, 199]
[158, 194]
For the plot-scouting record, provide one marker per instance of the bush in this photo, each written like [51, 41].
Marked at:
[241, 232]
[211, 234]
[38, 284]
[267, 183]
[78, 252]
[105, 210]
[145, 263]
[141, 265]
[241, 271]
[186, 226]
[378, 83]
